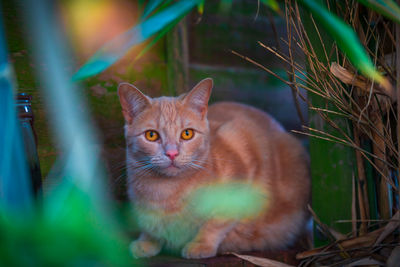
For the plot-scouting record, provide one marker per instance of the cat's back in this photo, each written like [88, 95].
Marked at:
[242, 139]
[240, 116]
[248, 141]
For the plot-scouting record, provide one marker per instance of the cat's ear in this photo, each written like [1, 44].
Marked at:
[132, 101]
[198, 97]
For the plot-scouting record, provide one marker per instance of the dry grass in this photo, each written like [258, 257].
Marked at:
[370, 111]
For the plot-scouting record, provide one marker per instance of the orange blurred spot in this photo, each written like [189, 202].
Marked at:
[91, 23]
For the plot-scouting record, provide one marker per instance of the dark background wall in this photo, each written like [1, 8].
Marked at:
[211, 40]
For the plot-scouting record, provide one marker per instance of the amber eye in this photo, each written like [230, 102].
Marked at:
[151, 135]
[187, 134]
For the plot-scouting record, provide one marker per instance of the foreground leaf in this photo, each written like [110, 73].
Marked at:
[159, 35]
[76, 234]
[387, 8]
[229, 200]
[150, 7]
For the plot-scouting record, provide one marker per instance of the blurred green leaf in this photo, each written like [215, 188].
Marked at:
[272, 4]
[74, 225]
[119, 46]
[15, 184]
[387, 8]
[230, 200]
[200, 7]
[79, 235]
[345, 38]
[150, 7]
[156, 39]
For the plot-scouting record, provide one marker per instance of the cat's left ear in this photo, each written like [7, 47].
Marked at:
[132, 101]
[198, 97]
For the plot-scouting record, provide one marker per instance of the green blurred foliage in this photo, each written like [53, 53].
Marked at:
[73, 232]
[387, 8]
[229, 201]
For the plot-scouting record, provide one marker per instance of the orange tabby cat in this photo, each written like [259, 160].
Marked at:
[176, 144]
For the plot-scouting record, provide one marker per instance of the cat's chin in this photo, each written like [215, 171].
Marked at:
[171, 171]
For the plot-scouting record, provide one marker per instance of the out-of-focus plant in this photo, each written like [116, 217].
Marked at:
[73, 224]
[69, 230]
[15, 187]
[387, 8]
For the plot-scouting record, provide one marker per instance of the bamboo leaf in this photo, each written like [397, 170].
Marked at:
[387, 8]
[150, 7]
[272, 4]
[156, 39]
[346, 40]
[200, 7]
[119, 46]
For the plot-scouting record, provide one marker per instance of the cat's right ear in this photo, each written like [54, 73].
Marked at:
[132, 101]
[198, 97]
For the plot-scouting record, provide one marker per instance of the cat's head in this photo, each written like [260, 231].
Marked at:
[166, 136]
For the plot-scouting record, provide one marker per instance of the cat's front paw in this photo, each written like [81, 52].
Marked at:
[144, 248]
[198, 250]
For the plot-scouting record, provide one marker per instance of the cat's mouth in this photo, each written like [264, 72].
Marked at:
[172, 166]
[171, 170]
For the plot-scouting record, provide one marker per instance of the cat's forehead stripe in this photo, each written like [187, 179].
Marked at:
[167, 107]
[168, 111]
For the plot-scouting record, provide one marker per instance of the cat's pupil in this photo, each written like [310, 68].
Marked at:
[187, 132]
[151, 133]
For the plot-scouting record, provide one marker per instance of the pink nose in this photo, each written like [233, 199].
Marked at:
[172, 154]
